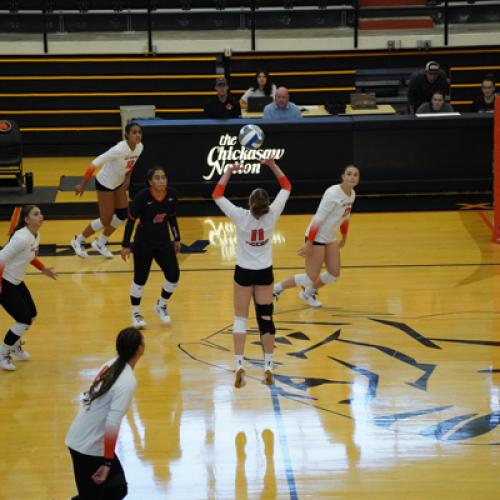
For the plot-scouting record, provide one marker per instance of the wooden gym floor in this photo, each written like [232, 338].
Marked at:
[390, 390]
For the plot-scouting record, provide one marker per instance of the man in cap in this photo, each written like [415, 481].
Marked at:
[424, 83]
[222, 105]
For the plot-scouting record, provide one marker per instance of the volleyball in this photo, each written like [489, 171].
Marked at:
[251, 136]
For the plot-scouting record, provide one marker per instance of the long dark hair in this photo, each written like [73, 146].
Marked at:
[268, 86]
[151, 172]
[25, 211]
[259, 202]
[128, 342]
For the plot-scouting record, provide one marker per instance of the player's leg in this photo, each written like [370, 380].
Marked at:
[114, 219]
[105, 202]
[17, 302]
[313, 264]
[167, 260]
[330, 275]
[143, 257]
[242, 295]
[263, 296]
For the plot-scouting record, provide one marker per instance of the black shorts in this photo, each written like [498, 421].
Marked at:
[100, 187]
[315, 242]
[250, 277]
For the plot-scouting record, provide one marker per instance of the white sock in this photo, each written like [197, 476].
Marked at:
[162, 302]
[80, 238]
[238, 361]
[5, 349]
[310, 291]
[136, 309]
[278, 287]
[103, 239]
[268, 361]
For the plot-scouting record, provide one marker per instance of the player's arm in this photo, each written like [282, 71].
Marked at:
[174, 226]
[344, 228]
[326, 205]
[111, 154]
[15, 245]
[48, 271]
[135, 210]
[218, 193]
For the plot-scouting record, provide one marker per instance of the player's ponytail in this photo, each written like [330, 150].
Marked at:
[259, 202]
[21, 222]
[127, 343]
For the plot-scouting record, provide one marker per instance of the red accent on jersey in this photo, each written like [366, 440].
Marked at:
[159, 218]
[312, 233]
[109, 445]
[38, 264]
[153, 195]
[2, 267]
[130, 166]
[344, 227]
[89, 172]
[218, 192]
[285, 183]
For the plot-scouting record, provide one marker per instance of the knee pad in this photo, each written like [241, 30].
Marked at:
[168, 286]
[326, 278]
[97, 225]
[20, 328]
[240, 325]
[119, 217]
[265, 325]
[136, 290]
[302, 280]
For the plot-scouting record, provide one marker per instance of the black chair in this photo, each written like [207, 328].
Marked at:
[11, 151]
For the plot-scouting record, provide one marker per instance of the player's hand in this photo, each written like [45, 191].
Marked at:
[80, 188]
[50, 272]
[269, 162]
[101, 474]
[305, 250]
[125, 253]
[177, 247]
[342, 242]
[235, 168]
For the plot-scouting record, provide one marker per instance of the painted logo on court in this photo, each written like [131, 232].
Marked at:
[400, 374]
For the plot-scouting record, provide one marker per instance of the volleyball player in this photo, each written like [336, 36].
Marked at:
[253, 275]
[15, 297]
[155, 206]
[92, 436]
[321, 246]
[111, 184]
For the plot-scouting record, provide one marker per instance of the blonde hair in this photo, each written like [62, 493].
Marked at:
[259, 202]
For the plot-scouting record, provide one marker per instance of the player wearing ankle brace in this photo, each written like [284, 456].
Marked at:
[253, 275]
[321, 246]
[155, 207]
[111, 184]
[15, 297]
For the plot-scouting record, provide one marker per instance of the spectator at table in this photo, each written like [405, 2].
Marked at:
[261, 87]
[486, 103]
[282, 108]
[423, 83]
[223, 104]
[436, 105]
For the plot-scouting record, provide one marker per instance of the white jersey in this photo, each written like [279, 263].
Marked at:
[334, 208]
[101, 420]
[254, 236]
[21, 249]
[118, 161]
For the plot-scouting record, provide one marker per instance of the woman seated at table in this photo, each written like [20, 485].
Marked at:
[437, 104]
[262, 87]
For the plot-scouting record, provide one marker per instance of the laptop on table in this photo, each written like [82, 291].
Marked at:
[257, 104]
